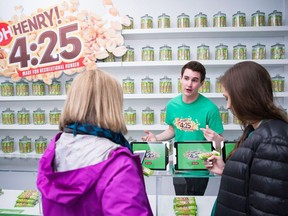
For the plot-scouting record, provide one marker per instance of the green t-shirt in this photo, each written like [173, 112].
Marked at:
[187, 119]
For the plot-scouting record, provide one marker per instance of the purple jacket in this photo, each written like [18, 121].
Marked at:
[113, 187]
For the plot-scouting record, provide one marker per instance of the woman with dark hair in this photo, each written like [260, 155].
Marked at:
[254, 179]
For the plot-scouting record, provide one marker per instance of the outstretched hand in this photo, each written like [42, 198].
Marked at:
[211, 135]
[149, 137]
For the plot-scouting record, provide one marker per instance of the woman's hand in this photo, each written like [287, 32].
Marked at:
[215, 164]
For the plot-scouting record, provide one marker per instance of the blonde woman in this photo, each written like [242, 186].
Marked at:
[88, 168]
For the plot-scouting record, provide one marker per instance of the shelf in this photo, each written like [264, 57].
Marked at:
[206, 32]
[21, 155]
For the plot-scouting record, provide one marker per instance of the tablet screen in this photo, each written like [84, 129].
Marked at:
[228, 146]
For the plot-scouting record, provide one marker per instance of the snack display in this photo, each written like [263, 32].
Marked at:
[278, 83]
[131, 26]
[8, 116]
[218, 85]
[40, 145]
[129, 55]
[185, 206]
[239, 19]
[278, 51]
[28, 198]
[130, 116]
[258, 19]
[221, 52]
[7, 88]
[147, 53]
[164, 21]
[7, 144]
[203, 52]
[205, 88]
[200, 20]
[206, 155]
[275, 18]
[146, 22]
[39, 117]
[259, 51]
[54, 116]
[239, 52]
[183, 53]
[165, 53]
[25, 145]
[23, 117]
[183, 21]
[224, 115]
[219, 19]
[54, 88]
[147, 85]
[147, 116]
[22, 88]
[128, 86]
[165, 85]
[38, 88]
[110, 58]
[163, 116]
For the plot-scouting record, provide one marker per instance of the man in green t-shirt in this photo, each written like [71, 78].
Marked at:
[191, 117]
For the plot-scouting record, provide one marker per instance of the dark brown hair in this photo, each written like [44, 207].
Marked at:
[195, 66]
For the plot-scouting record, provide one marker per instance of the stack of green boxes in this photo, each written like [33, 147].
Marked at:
[185, 206]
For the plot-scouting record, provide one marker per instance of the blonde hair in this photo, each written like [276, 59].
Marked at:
[95, 97]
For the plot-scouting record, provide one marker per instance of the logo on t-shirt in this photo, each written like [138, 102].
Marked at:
[186, 124]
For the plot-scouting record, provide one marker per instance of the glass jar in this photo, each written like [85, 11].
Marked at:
[163, 116]
[203, 52]
[147, 116]
[239, 52]
[54, 88]
[130, 116]
[131, 26]
[22, 88]
[129, 55]
[200, 20]
[164, 21]
[147, 53]
[258, 19]
[165, 85]
[205, 88]
[183, 53]
[219, 19]
[40, 145]
[146, 22]
[179, 85]
[25, 145]
[221, 52]
[183, 21]
[218, 84]
[278, 83]
[147, 85]
[259, 51]
[23, 117]
[7, 144]
[68, 84]
[239, 19]
[224, 115]
[8, 117]
[39, 117]
[275, 18]
[7, 88]
[236, 120]
[165, 53]
[278, 51]
[38, 88]
[128, 86]
[54, 116]
[110, 58]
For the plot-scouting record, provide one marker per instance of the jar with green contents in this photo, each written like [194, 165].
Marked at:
[183, 53]
[224, 115]
[54, 116]
[165, 85]
[183, 21]
[22, 88]
[275, 18]
[131, 26]
[110, 58]
[236, 120]
[165, 53]
[38, 88]
[239, 19]
[219, 19]
[218, 85]
[147, 53]
[40, 145]
[205, 88]
[130, 116]
[221, 52]
[23, 117]
[128, 86]
[129, 55]
[8, 117]
[68, 84]
[164, 21]
[39, 117]
[203, 52]
[179, 85]
[7, 144]
[259, 51]
[163, 116]
[200, 20]
[147, 116]
[54, 88]
[7, 88]
[146, 22]
[278, 51]
[258, 19]
[147, 85]
[239, 52]
[25, 145]
[278, 83]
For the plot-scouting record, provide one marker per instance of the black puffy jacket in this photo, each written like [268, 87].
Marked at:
[255, 178]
